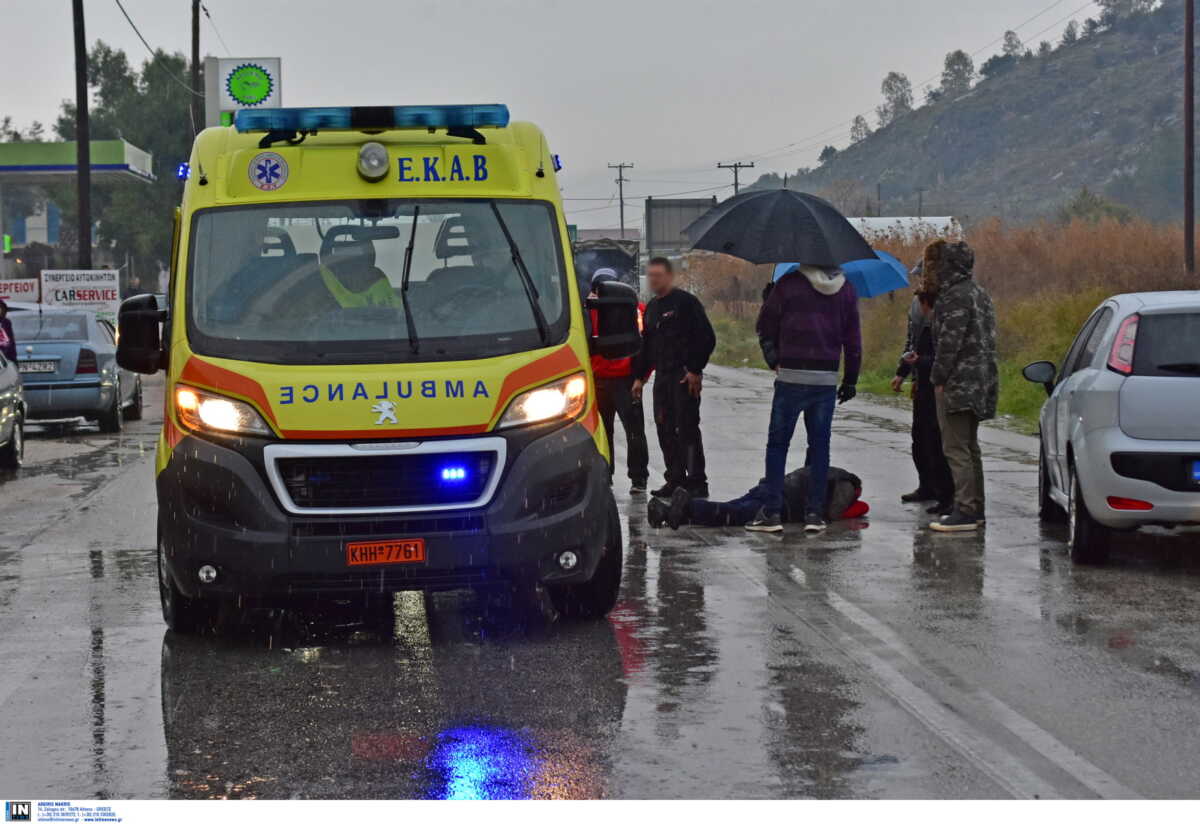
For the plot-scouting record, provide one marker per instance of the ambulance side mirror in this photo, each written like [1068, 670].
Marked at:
[139, 336]
[615, 311]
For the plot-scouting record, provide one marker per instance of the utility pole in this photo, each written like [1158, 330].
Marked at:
[83, 140]
[198, 97]
[736, 167]
[920, 203]
[878, 200]
[1189, 137]
[621, 167]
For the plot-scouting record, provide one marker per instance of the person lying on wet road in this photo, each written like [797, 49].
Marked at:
[842, 501]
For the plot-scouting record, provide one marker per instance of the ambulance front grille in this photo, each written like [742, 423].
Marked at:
[386, 481]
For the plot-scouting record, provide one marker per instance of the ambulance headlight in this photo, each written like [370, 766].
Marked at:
[373, 162]
[201, 411]
[563, 399]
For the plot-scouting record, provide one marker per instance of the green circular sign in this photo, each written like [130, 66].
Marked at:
[249, 85]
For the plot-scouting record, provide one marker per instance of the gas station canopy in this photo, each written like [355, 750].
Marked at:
[113, 161]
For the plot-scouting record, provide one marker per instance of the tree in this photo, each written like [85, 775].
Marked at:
[997, 65]
[149, 108]
[1090, 27]
[1013, 47]
[1070, 33]
[1044, 48]
[860, 130]
[827, 154]
[847, 196]
[1091, 207]
[932, 95]
[1113, 10]
[897, 98]
[958, 74]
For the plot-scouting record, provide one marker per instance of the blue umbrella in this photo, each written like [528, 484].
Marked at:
[871, 277]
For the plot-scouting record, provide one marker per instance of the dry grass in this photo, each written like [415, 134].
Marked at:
[1045, 279]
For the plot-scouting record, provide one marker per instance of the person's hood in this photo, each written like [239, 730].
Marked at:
[947, 263]
[603, 275]
[825, 281]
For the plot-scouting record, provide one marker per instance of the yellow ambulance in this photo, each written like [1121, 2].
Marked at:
[377, 364]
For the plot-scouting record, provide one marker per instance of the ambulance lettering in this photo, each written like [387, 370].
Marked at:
[387, 391]
[430, 170]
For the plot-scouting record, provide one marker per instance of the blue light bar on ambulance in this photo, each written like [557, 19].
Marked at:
[353, 118]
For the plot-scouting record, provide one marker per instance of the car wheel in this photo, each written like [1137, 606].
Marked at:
[594, 598]
[186, 616]
[1049, 511]
[12, 454]
[1089, 541]
[110, 419]
[133, 412]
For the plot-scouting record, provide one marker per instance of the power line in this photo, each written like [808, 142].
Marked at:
[216, 31]
[153, 53]
[663, 194]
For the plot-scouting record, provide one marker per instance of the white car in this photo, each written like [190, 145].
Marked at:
[1120, 434]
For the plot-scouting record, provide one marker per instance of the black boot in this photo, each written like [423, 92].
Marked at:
[665, 491]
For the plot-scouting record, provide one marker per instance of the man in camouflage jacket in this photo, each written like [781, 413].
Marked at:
[965, 374]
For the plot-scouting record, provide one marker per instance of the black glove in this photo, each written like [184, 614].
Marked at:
[846, 392]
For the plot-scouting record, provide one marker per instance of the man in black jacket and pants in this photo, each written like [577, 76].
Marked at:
[935, 483]
[677, 343]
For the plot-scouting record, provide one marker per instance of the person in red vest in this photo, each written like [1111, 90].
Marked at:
[615, 398]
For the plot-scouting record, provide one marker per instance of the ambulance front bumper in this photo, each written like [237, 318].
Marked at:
[218, 508]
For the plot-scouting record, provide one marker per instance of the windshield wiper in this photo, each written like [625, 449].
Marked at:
[1190, 367]
[413, 342]
[531, 291]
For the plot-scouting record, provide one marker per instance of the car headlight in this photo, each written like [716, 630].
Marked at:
[563, 399]
[200, 410]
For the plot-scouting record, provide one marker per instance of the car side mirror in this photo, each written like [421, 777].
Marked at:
[139, 336]
[616, 333]
[1043, 372]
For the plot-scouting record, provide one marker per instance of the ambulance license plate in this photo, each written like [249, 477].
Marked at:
[375, 553]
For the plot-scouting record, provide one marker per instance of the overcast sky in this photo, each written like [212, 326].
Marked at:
[674, 86]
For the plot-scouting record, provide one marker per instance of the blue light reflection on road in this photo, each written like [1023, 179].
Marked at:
[475, 762]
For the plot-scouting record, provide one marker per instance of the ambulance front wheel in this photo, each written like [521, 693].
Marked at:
[594, 598]
[184, 615]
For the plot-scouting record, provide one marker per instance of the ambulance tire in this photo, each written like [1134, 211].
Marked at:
[183, 615]
[110, 419]
[594, 599]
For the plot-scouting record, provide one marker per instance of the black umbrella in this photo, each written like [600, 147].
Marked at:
[778, 226]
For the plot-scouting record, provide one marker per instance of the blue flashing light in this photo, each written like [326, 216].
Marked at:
[183, 171]
[454, 474]
[347, 118]
[558, 167]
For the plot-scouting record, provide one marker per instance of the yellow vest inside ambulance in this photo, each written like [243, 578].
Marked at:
[377, 367]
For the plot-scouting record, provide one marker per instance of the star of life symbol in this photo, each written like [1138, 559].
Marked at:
[268, 171]
[386, 410]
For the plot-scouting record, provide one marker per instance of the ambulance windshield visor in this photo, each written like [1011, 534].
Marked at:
[311, 283]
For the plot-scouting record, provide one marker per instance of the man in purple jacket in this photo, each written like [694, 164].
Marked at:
[809, 320]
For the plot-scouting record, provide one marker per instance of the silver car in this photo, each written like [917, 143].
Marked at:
[1120, 434]
[68, 364]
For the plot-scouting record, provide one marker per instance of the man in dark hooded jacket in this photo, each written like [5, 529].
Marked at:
[965, 374]
[807, 327]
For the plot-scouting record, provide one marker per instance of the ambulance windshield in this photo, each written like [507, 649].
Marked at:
[305, 283]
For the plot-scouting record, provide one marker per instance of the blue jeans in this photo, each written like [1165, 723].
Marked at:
[816, 403]
[738, 512]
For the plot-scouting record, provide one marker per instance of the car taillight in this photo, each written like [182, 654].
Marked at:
[87, 363]
[1120, 359]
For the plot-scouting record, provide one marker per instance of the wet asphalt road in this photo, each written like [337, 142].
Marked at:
[873, 661]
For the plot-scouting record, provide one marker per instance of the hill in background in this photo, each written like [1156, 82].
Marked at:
[1103, 113]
